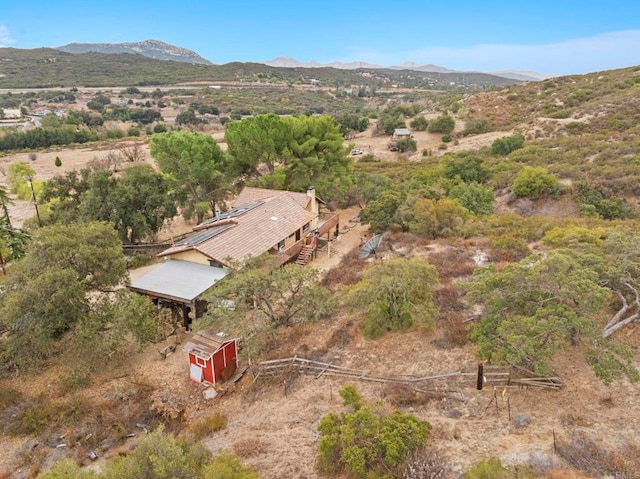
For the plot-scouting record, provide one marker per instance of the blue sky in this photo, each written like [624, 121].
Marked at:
[551, 37]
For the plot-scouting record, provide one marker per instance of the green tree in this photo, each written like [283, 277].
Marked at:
[394, 295]
[469, 168]
[282, 296]
[260, 140]
[380, 213]
[48, 293]
[136, 204]
[419, 123]
[534, 181]
[368, 443]
[442, 124]
[318, 157]
[406, 144]
[534, 307]
[437, 218]
[196, 163]
[159, 456]
[474, 197]
[17, 175]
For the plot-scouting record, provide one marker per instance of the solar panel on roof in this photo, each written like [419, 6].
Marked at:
[204, 235]
[233, 212]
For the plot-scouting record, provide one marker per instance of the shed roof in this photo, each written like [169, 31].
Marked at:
[263, 223]
[205, 343]
[401, 132]
[178, 280]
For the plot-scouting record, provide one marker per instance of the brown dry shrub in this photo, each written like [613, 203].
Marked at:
[447, 298]
[210, 424]
[585, 454]
[453, 263]
[249, 447]
[342, 336]
[400, 395]
[427, 463]
[347, 272]
[454, 332]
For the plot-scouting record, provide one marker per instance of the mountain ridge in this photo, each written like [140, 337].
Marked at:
[288, 62]
[155, 49]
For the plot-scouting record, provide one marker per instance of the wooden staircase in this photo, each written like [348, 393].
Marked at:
[305, 255]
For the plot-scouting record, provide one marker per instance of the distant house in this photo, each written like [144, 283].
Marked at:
[401, 133]
[212, 357]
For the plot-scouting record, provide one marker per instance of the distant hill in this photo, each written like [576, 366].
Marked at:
[287, 62]
[46, 67]
[148, 48]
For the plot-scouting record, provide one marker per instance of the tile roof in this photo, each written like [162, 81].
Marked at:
[250, 195]
[260, 228]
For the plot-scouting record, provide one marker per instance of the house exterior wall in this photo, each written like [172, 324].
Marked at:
[205, 365]
[192, 256]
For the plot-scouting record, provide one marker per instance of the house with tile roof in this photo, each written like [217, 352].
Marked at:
[287, 224]
[260, 221]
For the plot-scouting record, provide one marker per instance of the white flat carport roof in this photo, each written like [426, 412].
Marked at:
[178, 280]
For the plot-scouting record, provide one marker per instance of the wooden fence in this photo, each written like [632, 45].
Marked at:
[499, 376]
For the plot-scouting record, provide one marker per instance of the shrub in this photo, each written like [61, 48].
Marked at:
[367, 443]
[228, 466]
[535, 181]
[57, 162]
[419, 123]
[395, 295]
[442, 124]
[504, 146]
[406, 144]
[210, 424]
[426, 463]
[490, 468]
[477, 126]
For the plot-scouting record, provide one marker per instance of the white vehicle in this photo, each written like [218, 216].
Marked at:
[356, 152]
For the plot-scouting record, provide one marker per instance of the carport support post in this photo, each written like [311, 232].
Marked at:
[185, 316]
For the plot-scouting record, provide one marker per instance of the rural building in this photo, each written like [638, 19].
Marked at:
[212, 357]
[178, 285]
[401, 133]
[283, 223]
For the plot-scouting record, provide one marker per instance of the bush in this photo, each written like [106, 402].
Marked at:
[210, 424]
[395, 295]
[535, 181]
[228, 466]
[406, 144]
[504, 146]
[442, 124]
[477, 127]
[368, 444]
[419, 123]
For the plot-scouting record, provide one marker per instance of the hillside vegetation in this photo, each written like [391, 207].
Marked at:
[521, 251]
[46, 68]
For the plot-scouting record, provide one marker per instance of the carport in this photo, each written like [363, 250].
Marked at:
[179, 284]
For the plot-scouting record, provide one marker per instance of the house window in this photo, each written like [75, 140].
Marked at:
[281, 245]
[200, 361]
[306, 227]
[215, 264]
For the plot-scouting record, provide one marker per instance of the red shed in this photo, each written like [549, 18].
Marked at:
[212, 357]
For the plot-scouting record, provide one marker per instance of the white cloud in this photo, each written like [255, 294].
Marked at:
[5, 37]
[581, 55]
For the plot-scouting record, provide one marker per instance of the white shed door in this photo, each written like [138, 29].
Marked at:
[195, 372]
